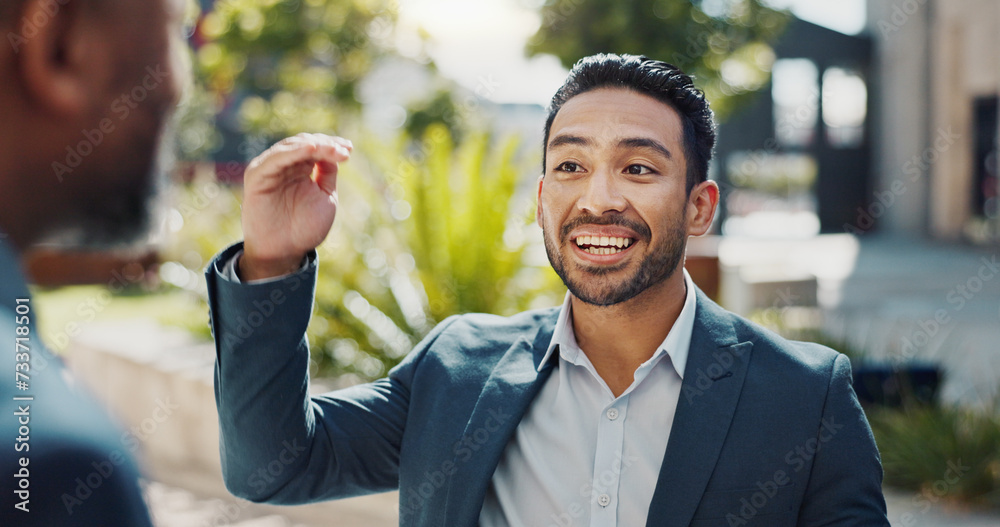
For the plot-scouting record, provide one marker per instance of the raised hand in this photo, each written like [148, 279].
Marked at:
[289, 202]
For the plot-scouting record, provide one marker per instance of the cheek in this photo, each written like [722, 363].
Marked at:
[661, 210]
[552, 211]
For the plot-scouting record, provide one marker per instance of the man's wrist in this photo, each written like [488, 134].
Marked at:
[249, 268]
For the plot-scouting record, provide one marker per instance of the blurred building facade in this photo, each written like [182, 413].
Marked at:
[936, 67]
[894, 130]
[796, 160]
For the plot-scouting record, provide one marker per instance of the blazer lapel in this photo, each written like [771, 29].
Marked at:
[713, 380]
[507, 393]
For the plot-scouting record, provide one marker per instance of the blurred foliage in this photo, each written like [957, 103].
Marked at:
[724, 44]
[288, 66]
[944, 453]
[425, 230]
[435, 229]
[440, 108]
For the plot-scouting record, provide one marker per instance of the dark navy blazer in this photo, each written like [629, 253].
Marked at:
[80, 469]
[767, 431]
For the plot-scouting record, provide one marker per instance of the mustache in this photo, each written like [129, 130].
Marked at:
[612, 219]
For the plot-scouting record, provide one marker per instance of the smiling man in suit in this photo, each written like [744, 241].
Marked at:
[638, 402]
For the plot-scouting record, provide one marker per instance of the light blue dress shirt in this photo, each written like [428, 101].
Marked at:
[581, 456]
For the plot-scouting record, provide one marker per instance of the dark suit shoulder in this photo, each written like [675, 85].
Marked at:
[465, 348]
[777, 355]
[486, 331]
[808, 354]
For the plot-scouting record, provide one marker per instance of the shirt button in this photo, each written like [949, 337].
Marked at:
[612, 413]
[604, 500]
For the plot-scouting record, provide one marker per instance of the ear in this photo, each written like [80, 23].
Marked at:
[701, 207]
[538, 201]
[63, 60]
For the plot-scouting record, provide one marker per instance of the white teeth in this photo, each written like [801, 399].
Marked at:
[603, 241]
[602, 250]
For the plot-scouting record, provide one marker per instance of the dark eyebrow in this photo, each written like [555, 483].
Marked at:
[630, 142]
[569, 140]
[642, 142]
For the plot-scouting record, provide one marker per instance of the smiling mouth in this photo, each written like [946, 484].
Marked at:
[603, 244]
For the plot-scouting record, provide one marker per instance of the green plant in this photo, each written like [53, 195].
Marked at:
[298, 62]
[424, 230]
[427, 230]
[945, 453]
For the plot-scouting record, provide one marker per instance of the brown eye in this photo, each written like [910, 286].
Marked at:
[638, 170]
[568, 166]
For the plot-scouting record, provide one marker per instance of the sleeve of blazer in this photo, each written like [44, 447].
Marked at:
[845, 484]
[277, 443]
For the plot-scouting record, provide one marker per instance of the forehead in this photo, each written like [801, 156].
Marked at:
[614, 113]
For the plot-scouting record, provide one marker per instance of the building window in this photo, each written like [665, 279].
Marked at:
[795, 91]
[987, 184]
[845, 105]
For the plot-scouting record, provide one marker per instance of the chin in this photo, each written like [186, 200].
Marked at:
[118, 216]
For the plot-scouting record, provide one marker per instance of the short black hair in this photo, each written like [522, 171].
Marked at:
[660, 80]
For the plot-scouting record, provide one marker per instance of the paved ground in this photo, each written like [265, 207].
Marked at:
[898, 300]
[176, 506]
[911, 510]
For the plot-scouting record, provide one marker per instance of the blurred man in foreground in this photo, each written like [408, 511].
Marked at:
[88, 87]
[638, 402]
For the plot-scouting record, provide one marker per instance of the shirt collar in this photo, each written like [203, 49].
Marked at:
[676, 344]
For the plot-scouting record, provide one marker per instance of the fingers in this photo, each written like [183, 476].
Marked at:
[295, 157]
[326, 176]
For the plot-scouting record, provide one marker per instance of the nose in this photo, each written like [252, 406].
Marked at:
[602, 194]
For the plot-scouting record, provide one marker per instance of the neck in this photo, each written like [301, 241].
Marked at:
[619, 338]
